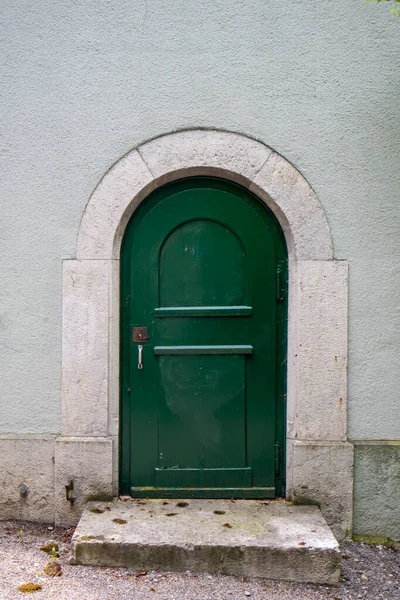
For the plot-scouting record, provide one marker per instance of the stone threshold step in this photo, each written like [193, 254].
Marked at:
[252, 538]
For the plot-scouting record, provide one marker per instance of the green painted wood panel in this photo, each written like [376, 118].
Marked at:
[202, 248]
[199, 266]
[202, 478]
[202, 418]
[202, 311]
[158, 350]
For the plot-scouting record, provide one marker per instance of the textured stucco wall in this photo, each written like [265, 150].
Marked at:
[84, 82]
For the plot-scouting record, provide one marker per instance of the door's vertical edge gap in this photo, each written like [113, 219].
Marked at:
[155, 326]
[284, 334]
[245, 366]
[124, 439]
[281, 370]
[159, 277]
[278, 382]
[121, 375]
[159, 391]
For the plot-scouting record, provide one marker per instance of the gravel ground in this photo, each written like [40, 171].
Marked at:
[368, 572]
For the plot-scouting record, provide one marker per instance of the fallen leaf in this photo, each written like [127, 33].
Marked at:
[28, 588]
[134, 575]
[53, 569]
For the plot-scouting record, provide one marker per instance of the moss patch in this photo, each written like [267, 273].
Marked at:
[99, 498]
[51, 549]
[305, 501]
[88, 538]
[376, 540]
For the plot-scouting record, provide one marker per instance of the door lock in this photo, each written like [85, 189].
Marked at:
[139, 334]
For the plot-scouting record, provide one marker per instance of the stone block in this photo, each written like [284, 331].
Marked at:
[274, 540]
[297, 207]
[110, 207]
[321, 351]
[323, 476]
[113, 350]
[87, 463]
[220, 150]
[85, 347]
[27, 478]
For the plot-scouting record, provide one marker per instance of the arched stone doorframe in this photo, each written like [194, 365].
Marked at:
[319, 458]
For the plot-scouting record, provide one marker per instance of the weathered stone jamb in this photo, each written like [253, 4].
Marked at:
[317, 329]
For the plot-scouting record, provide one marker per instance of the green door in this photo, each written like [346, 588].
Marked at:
[203, 321]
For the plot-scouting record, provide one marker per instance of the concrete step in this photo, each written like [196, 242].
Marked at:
[249, 538]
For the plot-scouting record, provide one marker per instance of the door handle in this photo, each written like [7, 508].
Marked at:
[140, 357]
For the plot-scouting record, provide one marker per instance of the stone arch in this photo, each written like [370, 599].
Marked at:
[199, 152]
[319, 459]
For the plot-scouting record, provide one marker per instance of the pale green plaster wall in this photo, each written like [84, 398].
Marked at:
[84, 82]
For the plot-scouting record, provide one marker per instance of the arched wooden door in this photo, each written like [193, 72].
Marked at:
[203, 342]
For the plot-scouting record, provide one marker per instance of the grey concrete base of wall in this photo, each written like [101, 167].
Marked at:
[377, 489]
[51, 478]
[36, 475]
[27, 478]
[35, 470]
